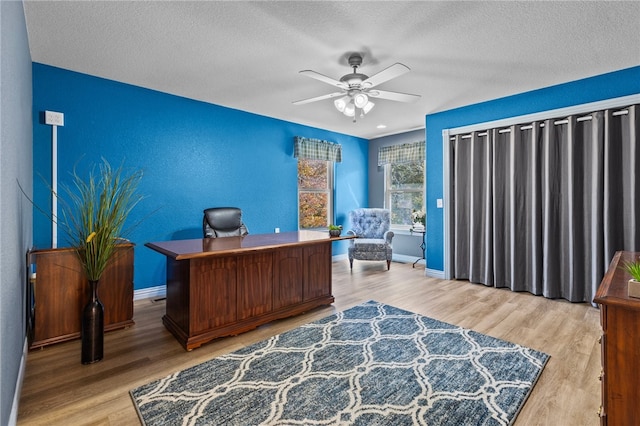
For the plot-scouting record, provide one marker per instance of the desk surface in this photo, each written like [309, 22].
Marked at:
[188, 249]
[613, 289]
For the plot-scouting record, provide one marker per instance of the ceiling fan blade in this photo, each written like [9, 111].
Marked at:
[395, 70]
[393, 96]
[324, 78]
[318, 98]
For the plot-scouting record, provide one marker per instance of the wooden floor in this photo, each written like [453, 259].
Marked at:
[59, 390]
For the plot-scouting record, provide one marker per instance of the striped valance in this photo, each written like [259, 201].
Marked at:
[316, 149]
[403, 153]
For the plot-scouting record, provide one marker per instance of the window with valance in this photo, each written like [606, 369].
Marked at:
[404, 170]
[315, 181]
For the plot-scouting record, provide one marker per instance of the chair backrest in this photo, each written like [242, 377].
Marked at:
[370, 222]
[223, 222]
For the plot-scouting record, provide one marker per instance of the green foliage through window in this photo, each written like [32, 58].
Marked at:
[405, 191]
[314, 193]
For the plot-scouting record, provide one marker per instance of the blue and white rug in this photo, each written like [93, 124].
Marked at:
[369, 365]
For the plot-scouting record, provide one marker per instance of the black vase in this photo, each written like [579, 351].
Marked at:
[92, 333]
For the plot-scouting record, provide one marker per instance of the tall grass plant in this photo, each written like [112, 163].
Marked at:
[96, 214]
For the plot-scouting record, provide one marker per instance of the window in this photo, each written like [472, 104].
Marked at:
[315, 180]
[404, 167]
[315, 193]
[404, 191]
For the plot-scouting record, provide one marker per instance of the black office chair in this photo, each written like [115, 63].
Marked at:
[223, 222]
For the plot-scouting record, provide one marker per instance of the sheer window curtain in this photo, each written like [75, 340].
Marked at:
[542, 207]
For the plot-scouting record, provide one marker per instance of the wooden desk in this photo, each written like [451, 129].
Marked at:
[225, 286]
[620, 344]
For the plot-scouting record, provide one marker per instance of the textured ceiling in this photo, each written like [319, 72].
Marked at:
[246, 55]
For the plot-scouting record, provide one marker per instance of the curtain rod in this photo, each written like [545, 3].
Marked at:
[557, 123]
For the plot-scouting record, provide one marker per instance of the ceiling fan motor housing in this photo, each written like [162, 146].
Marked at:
[355, 60]
[354, 79]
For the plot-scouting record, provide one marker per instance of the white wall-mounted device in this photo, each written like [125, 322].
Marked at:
[54, 119]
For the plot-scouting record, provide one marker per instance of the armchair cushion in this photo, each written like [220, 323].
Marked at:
[370, 223]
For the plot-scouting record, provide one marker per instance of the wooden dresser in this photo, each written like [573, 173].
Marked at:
[620, 343]
[60, 292]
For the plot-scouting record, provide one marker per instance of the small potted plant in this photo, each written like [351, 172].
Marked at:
[633, 269]
[418, 218]
[335, 230]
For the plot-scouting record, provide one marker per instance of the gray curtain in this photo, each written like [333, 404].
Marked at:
[543, 207]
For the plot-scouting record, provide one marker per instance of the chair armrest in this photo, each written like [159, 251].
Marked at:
[388, 236]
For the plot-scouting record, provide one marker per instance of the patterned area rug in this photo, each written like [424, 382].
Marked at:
[369, 365]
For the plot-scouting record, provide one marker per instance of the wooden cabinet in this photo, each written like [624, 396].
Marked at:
[226, 286]
[317, 271]
[287, 272]
[620, 320]
[60, 292]
[254, 285]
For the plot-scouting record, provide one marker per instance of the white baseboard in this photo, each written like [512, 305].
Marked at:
[434, 273]
[149, 292]
[337, 257]
[403, 258]
[13, 417]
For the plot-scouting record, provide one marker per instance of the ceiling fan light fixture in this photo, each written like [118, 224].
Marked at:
[368, 107]
[341, 103]
[360, 100]
[349, 110]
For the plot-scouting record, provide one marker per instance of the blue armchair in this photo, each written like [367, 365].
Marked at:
[371, 226]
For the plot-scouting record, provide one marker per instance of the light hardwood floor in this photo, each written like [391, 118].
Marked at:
[59, 390]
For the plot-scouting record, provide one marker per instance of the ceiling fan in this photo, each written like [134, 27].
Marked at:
[356, 89]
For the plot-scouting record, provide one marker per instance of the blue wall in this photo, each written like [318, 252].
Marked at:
[197, 155]
[616, 84]
[194, 155]
[16, 223]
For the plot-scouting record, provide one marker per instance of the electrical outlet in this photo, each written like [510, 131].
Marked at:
[439, 203]
[54, 118]
[277, 230]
